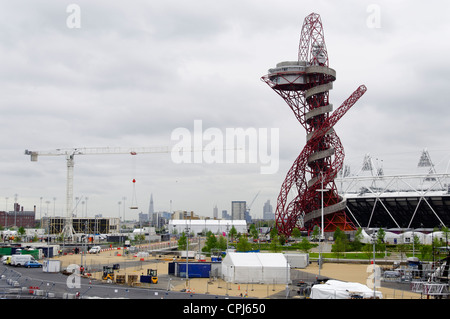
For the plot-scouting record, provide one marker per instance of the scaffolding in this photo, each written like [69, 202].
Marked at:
[55, 225]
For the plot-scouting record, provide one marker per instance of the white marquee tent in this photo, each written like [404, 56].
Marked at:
[408, 237]
[268, 268]
[335, 289]
[440, 235]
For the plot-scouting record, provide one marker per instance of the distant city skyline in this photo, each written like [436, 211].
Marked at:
[131, 75]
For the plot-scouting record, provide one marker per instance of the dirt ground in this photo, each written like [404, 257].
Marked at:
[357, 273]
[341, 271]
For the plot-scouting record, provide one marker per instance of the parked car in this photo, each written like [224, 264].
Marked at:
[32, 264]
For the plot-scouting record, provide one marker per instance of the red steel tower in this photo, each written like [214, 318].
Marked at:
[305, 86]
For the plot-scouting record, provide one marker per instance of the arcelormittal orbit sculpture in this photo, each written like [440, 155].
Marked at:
[305, 86]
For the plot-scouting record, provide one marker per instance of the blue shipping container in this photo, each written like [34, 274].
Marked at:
[196, 270]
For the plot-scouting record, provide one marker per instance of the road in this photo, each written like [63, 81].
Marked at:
[15, 283]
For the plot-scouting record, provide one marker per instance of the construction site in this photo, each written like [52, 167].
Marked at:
[315, 196]
[118, 270]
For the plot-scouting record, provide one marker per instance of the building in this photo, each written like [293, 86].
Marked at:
[238, 210]
[18, 217]
[159, 219]
[143, 218]
[182, 214]
[248, 217]
[402, 201]
[215, 212]
[151, 209]
[225, 215]
[268, 211]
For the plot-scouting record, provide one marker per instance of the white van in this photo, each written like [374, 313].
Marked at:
[95, 250]
[20, 260]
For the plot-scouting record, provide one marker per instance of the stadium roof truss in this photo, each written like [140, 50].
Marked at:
[397, 201]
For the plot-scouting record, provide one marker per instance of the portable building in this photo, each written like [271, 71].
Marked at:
[51, 265]
[298, 260]
[268, 268]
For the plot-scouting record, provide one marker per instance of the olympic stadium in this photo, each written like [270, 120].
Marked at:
[420, 200]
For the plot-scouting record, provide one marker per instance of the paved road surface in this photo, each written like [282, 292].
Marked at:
[58, 286]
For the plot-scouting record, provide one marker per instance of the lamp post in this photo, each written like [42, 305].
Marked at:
[40, 212]
[15, 209]
[187, 255]
[118, 230]
[6, 212]
[374, 240]
[321, 236]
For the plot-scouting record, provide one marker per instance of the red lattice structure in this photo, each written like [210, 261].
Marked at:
[305, 86]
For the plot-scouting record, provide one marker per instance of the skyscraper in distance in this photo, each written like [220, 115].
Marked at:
[215, 212]
[150, 208]
[268, 211]
[238, 209]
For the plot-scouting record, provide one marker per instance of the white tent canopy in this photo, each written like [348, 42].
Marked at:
[408, 237]
[438, 234]
[335, 289]
[366, 239]
[269, 268]
[391, 238]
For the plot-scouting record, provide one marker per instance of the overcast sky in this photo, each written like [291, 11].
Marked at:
[129, 74]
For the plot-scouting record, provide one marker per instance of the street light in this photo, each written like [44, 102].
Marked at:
[187, 255]
[322, 237]
[374, 240]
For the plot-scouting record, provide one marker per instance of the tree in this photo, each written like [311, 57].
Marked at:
[139, 238]
[282, 239]
[233, 232]
[182, 242]
[275, 245]
[296, 233]
[380, 245]
[254, 232]
[273, 233]
[315, 233]
[338, 233]
[21, 231]
[425, 252]
[222, 243]
[357, 242]
[339, 246]
[210, 243]
[340, 242]
[243, 244]
[305, 245]
[380, 235]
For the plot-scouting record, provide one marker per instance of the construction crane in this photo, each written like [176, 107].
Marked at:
[70, 153]
[250, 206]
